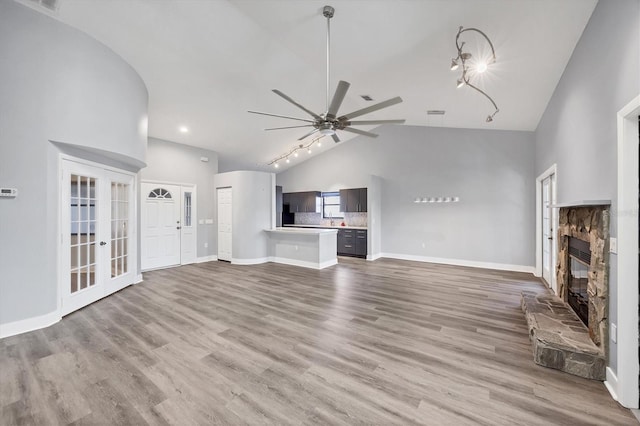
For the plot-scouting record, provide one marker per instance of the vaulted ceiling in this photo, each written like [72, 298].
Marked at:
[206, 62]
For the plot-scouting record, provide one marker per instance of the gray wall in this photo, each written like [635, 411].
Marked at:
[491, 171]
[177, 163]
[55, 84]
[578, 129]
[253, 211]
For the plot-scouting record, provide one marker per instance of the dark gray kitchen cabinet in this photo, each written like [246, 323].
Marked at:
[361, 242]
[352, 242]
[353, 200]
[301, 202]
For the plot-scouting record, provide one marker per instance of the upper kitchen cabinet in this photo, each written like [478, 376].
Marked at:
[353, 200]
[301, 202]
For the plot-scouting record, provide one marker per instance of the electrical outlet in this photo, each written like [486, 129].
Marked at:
[614, 333]
[613, 245]
[201, 222]
[206, 245]
[423, 245]
[208, 221]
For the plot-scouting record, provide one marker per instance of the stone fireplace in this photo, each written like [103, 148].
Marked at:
[569, 331]
[583, 266]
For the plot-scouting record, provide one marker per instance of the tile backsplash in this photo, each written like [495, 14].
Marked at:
[350, 219]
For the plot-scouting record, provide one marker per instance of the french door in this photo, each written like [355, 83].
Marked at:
[548, 237]
[97, 243]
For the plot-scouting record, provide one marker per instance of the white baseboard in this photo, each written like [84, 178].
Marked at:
[29, 324]
[138, 279]
[373, 257]
[256, 261]
[611, 383]
[460, 262]
[211, 258]
[303, 263]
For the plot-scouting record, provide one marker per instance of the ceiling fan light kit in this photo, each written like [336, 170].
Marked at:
[328, 122]
[467, 70]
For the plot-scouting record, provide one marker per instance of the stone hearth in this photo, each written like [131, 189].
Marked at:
[560, 340]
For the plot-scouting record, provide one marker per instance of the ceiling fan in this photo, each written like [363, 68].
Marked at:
[328, 122]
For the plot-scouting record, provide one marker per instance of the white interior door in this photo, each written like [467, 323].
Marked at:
[225, 210]
[161, 223]
[97, 208]
[548, 242]
[122, 234]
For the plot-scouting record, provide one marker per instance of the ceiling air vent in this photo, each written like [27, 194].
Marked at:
[366, 98]
[435, 112]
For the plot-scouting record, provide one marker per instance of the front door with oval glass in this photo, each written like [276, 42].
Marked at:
[168, 225]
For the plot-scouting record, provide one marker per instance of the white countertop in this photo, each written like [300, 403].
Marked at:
[302, 230]
[326, 227]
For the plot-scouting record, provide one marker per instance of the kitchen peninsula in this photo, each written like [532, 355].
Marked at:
[310, 248]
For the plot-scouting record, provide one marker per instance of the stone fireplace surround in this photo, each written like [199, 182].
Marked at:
[590, 224]
[560, 340]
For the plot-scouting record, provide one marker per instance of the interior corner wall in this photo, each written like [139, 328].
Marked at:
[253, 211]
[578, 129]
[56, 84]
[177, 163]
[490, 170]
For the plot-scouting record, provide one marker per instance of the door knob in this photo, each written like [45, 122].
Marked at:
[103, 243]
[178, 227]
[549, 238]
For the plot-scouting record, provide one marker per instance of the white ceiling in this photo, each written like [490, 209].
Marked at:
[206, 62]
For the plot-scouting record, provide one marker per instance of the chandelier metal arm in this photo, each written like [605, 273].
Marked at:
[463, 57]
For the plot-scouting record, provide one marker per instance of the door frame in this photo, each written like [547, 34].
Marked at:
[623, 384]
[553, 170]
[61, 274]
[194, 209]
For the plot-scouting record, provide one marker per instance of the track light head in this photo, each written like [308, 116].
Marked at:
[454, 64]
[489, 118]
[460, 83]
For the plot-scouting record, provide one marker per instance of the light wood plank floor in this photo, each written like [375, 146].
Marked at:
[376, 343]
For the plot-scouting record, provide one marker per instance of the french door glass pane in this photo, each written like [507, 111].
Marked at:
[83, 217]
[119, 226]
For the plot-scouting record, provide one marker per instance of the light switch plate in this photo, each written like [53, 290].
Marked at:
[201, 222]
[614, 333]
[613, 245]
[209, 221]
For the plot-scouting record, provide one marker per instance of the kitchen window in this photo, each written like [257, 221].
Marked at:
[331, 205]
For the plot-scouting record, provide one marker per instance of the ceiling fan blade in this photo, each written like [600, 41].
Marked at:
[366, 122]
[281, 116]
[338, 97]
[360, 132]
[371, 108]
[335, 137]
[309, 134]
[289, 127]
[313, 114]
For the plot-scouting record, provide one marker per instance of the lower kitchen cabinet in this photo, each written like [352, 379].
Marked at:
[352, 242]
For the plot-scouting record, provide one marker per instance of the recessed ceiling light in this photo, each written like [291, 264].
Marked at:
[183, 129]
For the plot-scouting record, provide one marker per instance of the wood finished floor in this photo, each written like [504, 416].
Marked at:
[376, 343]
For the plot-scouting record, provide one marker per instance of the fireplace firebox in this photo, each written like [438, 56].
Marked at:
[579, 261]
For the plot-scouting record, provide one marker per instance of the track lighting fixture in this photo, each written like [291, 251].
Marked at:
[294, 152]
[467, 70]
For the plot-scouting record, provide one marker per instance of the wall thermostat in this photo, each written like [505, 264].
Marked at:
[8, 192]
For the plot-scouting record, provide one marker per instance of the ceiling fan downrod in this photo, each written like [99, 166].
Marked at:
[328, 12]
